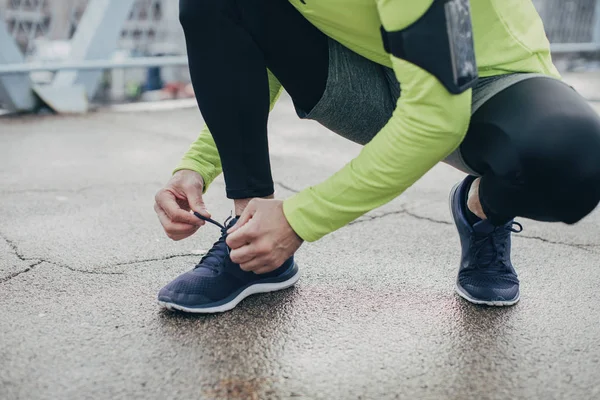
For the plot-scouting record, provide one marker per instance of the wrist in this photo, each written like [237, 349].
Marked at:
[207, 171]
[298, 237]
[196, 174]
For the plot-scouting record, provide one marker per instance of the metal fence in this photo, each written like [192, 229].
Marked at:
[571, 25]
[50, 44]
[151, 25]
[58, 44]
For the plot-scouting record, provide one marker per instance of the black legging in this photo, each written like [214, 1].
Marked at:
[230, 45]
[536, 144]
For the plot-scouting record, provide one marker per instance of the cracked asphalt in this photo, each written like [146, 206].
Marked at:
[374, 316]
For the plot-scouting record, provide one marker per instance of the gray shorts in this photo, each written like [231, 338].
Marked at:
[360, 97]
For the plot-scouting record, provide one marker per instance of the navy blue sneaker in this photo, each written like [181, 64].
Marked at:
[486, 275]
[217, 284]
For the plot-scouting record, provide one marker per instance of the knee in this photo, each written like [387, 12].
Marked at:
[563, 162]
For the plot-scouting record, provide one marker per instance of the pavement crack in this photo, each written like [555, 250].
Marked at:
[14, 275]
[165, 258]
[37, 261]
[83, 271]
[584, 247]
[579, 246]
[435, 221]
[15, 249]
[286, 187]
[369, 218]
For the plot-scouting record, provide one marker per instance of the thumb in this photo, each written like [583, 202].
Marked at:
[248, 213]
[196, 203]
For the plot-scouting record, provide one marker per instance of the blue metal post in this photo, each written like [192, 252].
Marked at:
[96, 38]
[15, 90]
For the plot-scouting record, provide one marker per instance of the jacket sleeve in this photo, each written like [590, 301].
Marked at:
[203, 156]
[427, 125]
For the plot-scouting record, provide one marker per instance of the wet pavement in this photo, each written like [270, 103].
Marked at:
[374, 316]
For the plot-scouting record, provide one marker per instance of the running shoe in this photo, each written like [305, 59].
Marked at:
[486, 274]
[217, 284]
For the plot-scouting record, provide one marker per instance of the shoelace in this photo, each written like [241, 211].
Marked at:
[214, 257]
[490, 248]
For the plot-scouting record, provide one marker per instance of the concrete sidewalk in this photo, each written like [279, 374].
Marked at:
[82, 257]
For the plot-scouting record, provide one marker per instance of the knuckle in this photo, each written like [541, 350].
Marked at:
[264, 248]
[252, 231]
[269, 247]
[233, 243]
[270, 261]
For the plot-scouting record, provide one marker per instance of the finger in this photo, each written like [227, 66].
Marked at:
[248, 213]
[243, 254]
[255, 264]
[170, 225]
[180, 230]
[167, 202]
[175, 228]
[177, 238]
[196, 202]
[242, 236]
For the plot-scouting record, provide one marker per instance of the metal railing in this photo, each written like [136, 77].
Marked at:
[571, 25]
[78, 40]
[138, 62]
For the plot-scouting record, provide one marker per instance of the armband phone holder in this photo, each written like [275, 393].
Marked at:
[441, 43]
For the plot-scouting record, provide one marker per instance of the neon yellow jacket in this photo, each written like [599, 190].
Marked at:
[428, 123]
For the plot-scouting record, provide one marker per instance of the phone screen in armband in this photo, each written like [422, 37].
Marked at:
[460, 35]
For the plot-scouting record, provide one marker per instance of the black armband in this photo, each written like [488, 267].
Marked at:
[440, 42]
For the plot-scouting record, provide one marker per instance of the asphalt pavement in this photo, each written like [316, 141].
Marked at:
[374, 316]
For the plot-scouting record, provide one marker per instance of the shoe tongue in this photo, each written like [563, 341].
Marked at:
[484, 227]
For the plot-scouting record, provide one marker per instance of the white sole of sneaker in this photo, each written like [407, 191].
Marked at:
[497, 303]
[458, 289]
[249, 291]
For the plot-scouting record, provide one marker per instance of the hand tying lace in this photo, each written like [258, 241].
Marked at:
[220, 251]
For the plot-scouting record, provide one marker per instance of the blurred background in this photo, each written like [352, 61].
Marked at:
[111, 51]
